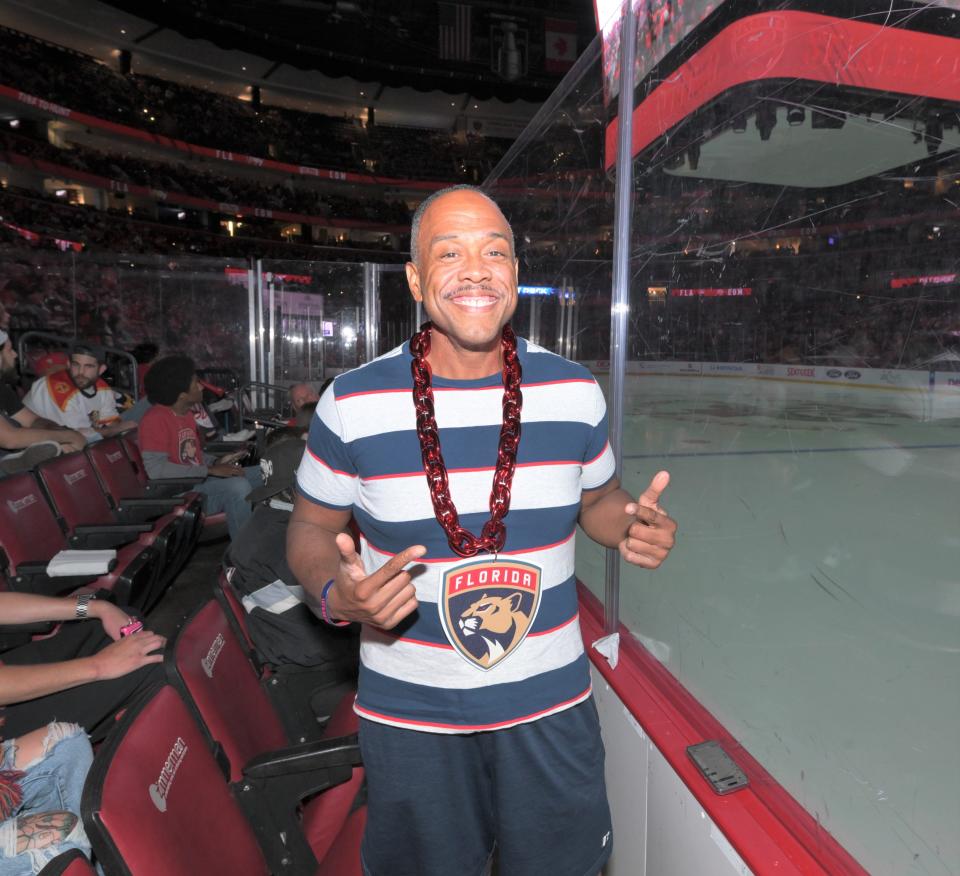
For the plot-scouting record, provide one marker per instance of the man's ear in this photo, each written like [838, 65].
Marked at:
[413, 281]
[101, 369]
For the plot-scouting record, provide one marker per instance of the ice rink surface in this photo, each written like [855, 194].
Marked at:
[812, 602]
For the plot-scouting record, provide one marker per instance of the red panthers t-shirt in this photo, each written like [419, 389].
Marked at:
[163, 431]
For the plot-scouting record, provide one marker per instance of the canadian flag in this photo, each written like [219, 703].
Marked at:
[560, 41]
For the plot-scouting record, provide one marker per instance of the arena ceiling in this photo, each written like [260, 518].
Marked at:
[332, 56]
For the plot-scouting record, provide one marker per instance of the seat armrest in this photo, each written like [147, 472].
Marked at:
[218, 448]
[142, 510]
[32, 577]
[165, 488]
[324, 754]
[37, 628]
[107, 535]
[160, 503]
[272, 786]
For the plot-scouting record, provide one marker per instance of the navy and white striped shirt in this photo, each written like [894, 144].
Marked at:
[363, 455]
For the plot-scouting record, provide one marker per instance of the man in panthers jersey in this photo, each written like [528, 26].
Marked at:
[78, 397]
[474, 691]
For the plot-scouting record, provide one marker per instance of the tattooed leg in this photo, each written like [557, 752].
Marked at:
[43, 829]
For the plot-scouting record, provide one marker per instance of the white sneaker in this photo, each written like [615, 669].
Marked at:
[29, 457]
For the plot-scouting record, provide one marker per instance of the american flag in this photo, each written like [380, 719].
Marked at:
[453, 31]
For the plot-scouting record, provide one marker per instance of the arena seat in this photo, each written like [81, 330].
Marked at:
[74, 490]
[299, 694]
[229, 599]
[206, 661]
[30, 535]
[121, 479]
[129, 499]
[164, 487]
[71, 863]
[156, 801]
[240, 692]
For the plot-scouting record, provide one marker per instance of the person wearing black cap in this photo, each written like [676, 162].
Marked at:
[284, 631]
[78, 397]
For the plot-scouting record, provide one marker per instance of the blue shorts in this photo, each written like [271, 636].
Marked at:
[437, 804]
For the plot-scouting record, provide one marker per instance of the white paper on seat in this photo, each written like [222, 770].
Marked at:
[68, 563]
[242, 435]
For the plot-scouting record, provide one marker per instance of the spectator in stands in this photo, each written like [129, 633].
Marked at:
[42, 774]
[144, 353]
[305, 415]
[301, 394]
[172, 445]
[79, 397]
[283, 629]
[25, 438]
[84, 673]
[67, 685]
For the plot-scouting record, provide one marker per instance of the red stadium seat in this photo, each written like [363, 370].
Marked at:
[121, 478]
[130, 501]
[30, 536]
[229, 599]
[231, 701]
[156, 802]
[207, 662]
[74, 490]
[164, 486]
[298, 693]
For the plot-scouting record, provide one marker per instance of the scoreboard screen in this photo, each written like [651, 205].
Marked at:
[661, 25]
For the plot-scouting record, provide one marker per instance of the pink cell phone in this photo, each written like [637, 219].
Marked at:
[130, 628]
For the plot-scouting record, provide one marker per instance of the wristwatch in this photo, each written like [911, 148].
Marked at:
[83, 602]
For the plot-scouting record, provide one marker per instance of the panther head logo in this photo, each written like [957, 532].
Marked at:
[488, 606]
[498, 621]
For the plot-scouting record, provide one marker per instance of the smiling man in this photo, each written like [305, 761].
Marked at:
[473, 455]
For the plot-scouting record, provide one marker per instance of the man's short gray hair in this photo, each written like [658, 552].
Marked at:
[424, 206]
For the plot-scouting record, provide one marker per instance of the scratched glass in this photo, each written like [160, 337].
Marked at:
[317, 327]
[188, 304]
[794, 362]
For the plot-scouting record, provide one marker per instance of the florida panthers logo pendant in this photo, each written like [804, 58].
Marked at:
[487, 606]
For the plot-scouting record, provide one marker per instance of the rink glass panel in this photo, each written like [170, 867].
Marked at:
[318, 320]
[559, 201]
[191, 305]
[794, 363]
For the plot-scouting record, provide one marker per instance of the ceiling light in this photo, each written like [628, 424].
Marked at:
[766, 120]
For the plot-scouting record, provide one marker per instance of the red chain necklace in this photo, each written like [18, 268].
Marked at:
[494, 533]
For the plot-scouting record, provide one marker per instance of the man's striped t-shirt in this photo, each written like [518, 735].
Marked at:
[363, 455]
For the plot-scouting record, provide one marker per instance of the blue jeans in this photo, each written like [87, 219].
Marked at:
[230, 495]
[53, 783]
